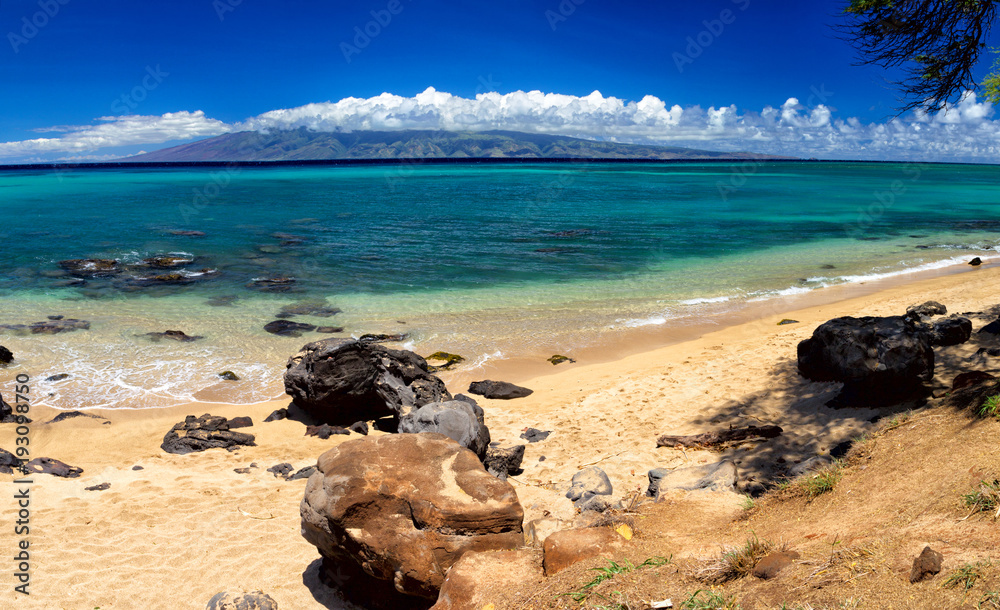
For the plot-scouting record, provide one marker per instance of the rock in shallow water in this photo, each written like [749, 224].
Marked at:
[287, 328]
[6, 356]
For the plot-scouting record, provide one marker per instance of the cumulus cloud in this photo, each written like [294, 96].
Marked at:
[118, 131]
[961, 132]
[964, 131]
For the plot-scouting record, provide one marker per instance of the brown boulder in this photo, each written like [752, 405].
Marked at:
[774, 562]
[565, 548]
[926, 565]
[470, 581]
[404, 508]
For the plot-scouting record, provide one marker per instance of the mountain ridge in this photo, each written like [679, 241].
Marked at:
[304, 145]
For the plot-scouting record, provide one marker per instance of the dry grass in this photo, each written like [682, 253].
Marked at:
[985, 499]
[846, 564]
[735, 562]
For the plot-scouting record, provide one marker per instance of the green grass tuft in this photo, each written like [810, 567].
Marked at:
[713, 600]
[990, 407]
[984, 499]
[822, 481]
[965, 576]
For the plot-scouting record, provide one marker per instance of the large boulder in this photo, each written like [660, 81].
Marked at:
[404, 508]
[878, 359]
[340, 381]
[456, 419]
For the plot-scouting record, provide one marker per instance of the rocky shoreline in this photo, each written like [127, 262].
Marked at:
[456, 502]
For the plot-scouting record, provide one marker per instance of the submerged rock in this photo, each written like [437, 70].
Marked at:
[448, 359]
[287, 328]
[383, 338]
[318, 309]
[92, 267]
[173, 335]
[54, 327]
[229, 376]
[274, 284]
[184, 233]
[167, 262]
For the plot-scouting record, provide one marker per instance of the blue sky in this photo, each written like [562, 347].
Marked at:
[117, 77]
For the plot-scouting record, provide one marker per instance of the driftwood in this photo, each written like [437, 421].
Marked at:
[714, 439]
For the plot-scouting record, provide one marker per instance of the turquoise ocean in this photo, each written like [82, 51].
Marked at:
[483, 260]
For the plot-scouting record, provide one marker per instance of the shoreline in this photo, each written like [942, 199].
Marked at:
[229, 530]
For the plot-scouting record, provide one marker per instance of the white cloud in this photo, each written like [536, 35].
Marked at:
[964, 131]
[119, 131]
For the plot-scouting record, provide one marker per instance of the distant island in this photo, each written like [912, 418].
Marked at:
[305, 145]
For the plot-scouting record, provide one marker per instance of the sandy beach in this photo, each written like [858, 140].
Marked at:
[184, 527]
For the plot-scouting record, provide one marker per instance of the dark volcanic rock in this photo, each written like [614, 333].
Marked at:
[498, 389]
[70, 415]
[304, 473]
[9, 461]
[360, 427]
[338, 381]
[167, 262]
[201, 433]
[926, 310]
[382, 338]
[403, 508]
[100, 487]
[926, 565]
[229, 376]
[276, 415]
[54, 467]
[173, 335]
[184, 233]
[6, 413]
[880, 360]
[274, 284]
[976, 262]
[993, 328]
[6, 356]
[502, 462]
[53, 327]
[533, 435]
[459, 420]
[559, 359]
[287, 328]
[325, 431]
[240, 422]
[951, 331]
[91, 267]
[58, 377]
[329, 330]
[281, 470]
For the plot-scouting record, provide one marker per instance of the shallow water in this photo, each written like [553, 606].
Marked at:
[485, 261]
